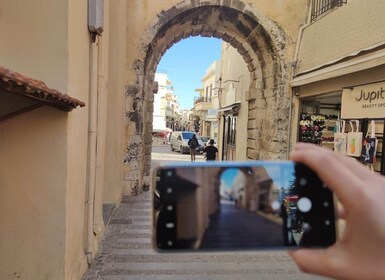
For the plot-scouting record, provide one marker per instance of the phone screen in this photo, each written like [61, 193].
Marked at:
[218, 206]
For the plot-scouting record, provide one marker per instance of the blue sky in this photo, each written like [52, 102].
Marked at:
[186, 63]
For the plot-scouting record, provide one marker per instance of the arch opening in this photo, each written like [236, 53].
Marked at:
[258, 40]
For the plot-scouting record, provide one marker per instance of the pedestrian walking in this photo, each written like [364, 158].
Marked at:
[211, 151]
[193, 144]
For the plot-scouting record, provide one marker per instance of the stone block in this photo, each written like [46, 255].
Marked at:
[242, 49]
[253, 134]
[207, 32]
[252, 104]
[247, 57]
[132, 176]
[251, 124]
[251, 144]
[227, 3]
[252, 154]
[227, 38]
[238, 5]
[205, 3]
[251, 66]
[196, 30]
[252, 114]
[235, 43]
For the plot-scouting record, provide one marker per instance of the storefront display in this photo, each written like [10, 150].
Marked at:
[317, 129]
[349, 120]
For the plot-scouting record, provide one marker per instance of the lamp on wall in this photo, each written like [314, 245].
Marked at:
[95, 17]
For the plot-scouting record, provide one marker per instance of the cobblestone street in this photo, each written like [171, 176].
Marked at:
[126, 252]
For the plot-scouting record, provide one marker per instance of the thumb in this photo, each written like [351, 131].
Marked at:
[316, 261]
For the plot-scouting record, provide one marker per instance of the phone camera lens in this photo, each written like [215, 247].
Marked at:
[170, 208]
[302, 182]
[306, 227]
[304, 204]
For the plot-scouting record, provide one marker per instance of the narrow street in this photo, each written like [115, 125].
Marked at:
[126, 251]
[232, 227]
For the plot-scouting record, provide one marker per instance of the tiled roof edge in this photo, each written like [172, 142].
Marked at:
[39, 90]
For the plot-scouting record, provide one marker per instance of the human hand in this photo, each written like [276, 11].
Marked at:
[360, 252]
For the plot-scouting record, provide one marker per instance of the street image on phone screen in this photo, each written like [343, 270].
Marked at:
[235, 206]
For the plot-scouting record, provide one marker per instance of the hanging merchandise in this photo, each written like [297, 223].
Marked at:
[311, 127]
[354, 140]
[369, 145]
[340, 138]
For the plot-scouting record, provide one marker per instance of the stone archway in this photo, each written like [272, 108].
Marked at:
[261, 43]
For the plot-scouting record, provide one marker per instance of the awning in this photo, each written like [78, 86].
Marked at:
[232, 109]
[19, 94]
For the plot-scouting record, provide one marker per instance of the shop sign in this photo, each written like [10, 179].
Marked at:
[366, 101]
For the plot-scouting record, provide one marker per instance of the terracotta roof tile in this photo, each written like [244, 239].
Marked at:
[19, 84]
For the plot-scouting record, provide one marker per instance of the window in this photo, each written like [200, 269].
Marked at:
[231, 130]
[211, 92]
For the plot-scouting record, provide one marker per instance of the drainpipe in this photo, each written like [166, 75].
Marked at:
[293, 67]
[95, 26]
[92, 140]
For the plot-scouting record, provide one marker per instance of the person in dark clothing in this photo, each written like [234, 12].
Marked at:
[193, 144]
[211, 151]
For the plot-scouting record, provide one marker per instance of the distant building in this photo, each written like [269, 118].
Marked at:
[233, 106]
[206, 106]
[159, 115]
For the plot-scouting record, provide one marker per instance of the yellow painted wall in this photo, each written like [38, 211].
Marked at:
[115, 145]
[78, 86]
[32, 195]
[33, 39]
[49, 41]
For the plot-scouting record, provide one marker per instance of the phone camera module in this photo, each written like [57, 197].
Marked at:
[304, 204]
[302, 182]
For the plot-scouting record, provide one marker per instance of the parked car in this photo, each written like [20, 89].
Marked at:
[205, 139]
[179, 140]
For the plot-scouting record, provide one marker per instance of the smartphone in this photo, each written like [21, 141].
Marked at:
[240, 205]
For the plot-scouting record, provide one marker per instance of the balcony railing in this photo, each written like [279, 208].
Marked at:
[201, 99]
[320, 7]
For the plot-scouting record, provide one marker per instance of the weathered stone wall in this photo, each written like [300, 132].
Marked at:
[262, 31]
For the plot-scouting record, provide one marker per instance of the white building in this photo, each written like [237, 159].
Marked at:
[159, 115]
[166, 106]
[207, 104]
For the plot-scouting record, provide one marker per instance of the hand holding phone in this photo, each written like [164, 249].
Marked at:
[233, 205]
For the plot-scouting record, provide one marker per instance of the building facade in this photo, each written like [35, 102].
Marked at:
[340, 73]
[71, 169]
[166, 107]
[206, 104]
[159, 114]
[233, 105]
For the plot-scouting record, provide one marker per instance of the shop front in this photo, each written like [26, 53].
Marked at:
[345, 114]
[229, 118]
